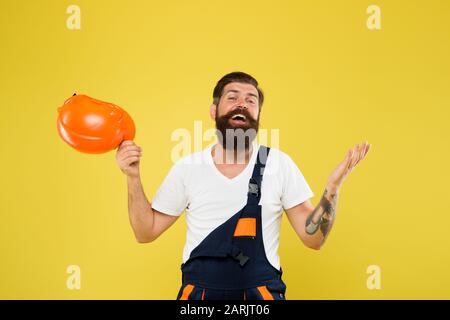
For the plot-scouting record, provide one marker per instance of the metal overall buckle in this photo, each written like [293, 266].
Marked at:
[241, 258]
[253, 187]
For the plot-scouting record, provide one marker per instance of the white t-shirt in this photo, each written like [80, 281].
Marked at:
[194, 183]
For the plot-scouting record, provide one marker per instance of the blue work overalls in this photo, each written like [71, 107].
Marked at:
[231, 263]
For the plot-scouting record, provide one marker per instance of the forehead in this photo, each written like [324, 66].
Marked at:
[243, 88]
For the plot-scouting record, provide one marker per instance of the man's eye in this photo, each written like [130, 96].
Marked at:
[231, 98]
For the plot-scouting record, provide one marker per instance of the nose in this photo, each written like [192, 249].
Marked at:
[241, 103]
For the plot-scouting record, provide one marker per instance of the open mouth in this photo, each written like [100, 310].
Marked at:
[238, 119]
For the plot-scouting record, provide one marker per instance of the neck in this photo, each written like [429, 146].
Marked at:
[225, 156]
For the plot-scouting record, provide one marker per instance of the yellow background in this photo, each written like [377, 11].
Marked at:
[330, 83]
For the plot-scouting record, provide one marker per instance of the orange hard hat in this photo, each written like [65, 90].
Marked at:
[93, 126]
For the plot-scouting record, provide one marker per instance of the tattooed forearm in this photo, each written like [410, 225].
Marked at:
[323, 215]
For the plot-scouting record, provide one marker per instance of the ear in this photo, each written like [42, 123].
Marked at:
[213, 111]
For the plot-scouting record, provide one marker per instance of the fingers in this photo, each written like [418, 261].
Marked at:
[363, 151]
[129, 149]
[367, 149]
[127, 146]
[130, 160]
[132, 153]
[348, 159]
[128, 153]
[355, 157]
[126, 143]
[359, 153]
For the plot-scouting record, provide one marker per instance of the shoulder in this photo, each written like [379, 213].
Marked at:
[196, 157]
[278, 157]
[191, 161]
[278, 163]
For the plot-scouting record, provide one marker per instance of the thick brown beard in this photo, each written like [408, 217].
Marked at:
[239, 137]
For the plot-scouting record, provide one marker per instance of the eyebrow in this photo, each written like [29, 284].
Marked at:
[237, 91]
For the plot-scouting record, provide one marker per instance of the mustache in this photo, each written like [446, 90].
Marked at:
[224, 127]
[252, 121]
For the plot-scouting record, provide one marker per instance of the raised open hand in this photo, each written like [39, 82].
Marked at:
[352, 158]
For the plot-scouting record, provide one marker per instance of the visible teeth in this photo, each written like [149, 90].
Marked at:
[238, 116]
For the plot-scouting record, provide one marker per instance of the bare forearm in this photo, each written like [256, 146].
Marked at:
[140, 211]
[320, 221]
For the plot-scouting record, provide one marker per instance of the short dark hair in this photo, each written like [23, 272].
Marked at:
[236, 76]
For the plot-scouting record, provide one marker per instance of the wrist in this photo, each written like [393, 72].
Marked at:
[133, 178]
[332, 188]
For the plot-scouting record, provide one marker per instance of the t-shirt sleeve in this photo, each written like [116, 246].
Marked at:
[171, 196]
[295, 188]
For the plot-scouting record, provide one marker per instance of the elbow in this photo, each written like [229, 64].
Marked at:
[142, 233]
[143, 240]
[315, 246]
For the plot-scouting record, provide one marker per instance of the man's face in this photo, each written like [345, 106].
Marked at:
[238, 109]
[238, 96]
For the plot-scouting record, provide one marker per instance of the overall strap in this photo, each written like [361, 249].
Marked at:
[253, 196]
[254, 185]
